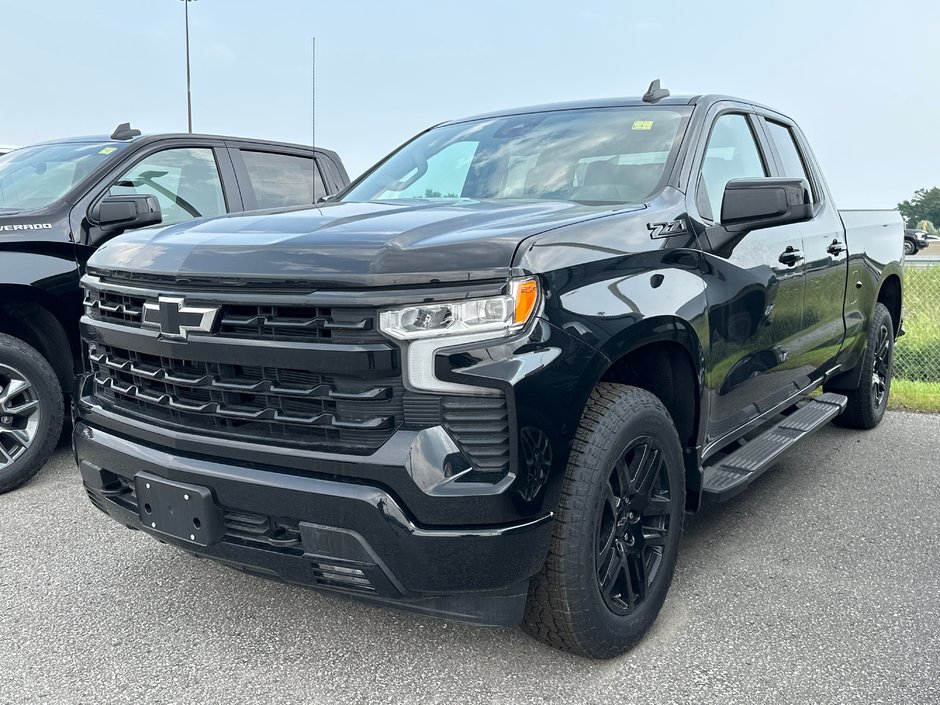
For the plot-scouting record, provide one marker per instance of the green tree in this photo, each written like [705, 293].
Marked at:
[925, 205]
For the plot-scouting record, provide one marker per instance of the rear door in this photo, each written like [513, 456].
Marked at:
[825, 251]
[278, 177]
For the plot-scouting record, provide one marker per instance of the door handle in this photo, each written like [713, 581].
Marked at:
[836, 248]
[790, 256]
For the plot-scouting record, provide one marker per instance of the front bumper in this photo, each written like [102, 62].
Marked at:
[335, 535]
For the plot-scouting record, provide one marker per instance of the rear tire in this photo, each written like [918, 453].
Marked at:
[868, 402]
[31, 411]
[617, 528]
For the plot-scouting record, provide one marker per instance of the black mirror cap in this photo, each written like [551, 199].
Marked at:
[125, 212]
[749, 204]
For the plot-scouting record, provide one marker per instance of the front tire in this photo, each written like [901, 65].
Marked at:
[909, 248]
[868, 402]
[617, 528]
[31, 410]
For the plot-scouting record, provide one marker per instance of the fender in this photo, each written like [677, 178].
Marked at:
[50, 278]
[646, 298]
[47, 268]
[47, 279]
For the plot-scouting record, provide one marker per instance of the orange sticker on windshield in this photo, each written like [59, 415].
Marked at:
[642, 124]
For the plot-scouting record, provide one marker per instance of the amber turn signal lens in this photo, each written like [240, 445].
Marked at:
[526, 296]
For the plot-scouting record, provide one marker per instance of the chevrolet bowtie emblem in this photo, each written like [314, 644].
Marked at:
[175, 320]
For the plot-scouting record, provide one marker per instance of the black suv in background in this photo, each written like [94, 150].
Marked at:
[60, 200]
[914, 241]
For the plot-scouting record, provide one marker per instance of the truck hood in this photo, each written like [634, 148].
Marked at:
[350, 244]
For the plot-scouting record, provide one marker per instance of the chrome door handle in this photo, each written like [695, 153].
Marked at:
[836, 248]
[790, 256]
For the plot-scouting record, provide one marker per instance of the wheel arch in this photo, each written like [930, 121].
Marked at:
[890, 294]
[663, 355]
[35, 317]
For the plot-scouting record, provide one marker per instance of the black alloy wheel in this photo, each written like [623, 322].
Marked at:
[881, 366]
[617, 526]
[633, 527]
[867, 403]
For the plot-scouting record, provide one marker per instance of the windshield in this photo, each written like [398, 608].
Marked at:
[604, 155]
[35, 177]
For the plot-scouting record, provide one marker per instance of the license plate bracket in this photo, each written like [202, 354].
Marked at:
[178, 510]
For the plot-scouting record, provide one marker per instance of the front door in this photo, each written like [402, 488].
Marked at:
[754, 289]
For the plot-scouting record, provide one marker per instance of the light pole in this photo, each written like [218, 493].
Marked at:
[189, 90]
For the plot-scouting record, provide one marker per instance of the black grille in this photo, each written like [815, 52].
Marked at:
[341, 576]
[314, 324]
[279, 534]
[259, 531]
[253, 403]
[114, 307]
[345, 394]
[480, 426]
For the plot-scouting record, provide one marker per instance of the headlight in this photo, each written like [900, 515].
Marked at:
[426, 329]
[499, 315]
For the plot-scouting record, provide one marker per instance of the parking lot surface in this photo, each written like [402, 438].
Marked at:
[820, 584]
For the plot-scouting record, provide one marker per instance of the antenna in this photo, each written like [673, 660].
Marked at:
[313, 117]
[654, 93]
[124, 132]
[313, 95]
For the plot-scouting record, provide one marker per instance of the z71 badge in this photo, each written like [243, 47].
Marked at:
[676, 227]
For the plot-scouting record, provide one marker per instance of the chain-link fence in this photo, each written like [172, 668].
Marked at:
[916, 382]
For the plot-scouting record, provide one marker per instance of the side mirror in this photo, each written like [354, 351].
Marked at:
[749, 204]
[113, 213]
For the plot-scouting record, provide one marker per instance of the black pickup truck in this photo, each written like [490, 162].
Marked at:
[61, 200]
[487, 380]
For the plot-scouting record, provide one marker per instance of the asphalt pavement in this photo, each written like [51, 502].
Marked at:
[820, 584]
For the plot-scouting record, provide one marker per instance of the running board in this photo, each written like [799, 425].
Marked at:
[732, 473]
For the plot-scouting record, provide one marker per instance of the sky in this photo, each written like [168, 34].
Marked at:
[859, 76]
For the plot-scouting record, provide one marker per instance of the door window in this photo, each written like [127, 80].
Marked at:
[732, 153]
[185, 181]
[791, 162]
[282, 180]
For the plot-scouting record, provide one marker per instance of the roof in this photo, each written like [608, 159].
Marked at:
[624, 102]
[98, 139]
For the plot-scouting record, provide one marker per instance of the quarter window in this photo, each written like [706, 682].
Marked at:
[280, 180]
[732, 153]
[185, 181]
